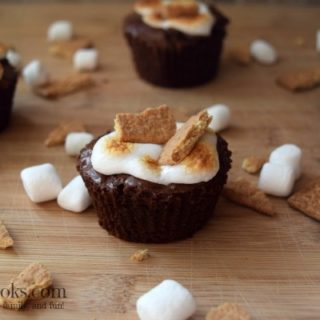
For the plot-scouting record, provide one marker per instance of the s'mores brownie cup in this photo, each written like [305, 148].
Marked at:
[8, 81]
[152, 180]
[175, 43]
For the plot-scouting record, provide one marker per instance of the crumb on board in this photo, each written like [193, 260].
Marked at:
[245, 193]
[140, 255]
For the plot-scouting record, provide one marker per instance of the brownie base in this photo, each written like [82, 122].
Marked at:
[170, 58]
[141, 211]
[7, 88]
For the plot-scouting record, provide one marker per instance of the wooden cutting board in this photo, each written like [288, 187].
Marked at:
[269, 265]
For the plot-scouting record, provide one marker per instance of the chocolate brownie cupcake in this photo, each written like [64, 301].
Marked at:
[151, 192]
[8, 81]
[177, 43]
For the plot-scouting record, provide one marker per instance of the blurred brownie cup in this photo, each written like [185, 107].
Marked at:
[8, 81]
[175, 43]
[152, 180]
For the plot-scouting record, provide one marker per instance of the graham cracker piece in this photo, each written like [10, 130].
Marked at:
[182, 8]
[58, 135]
[140, 255]
[182, 143]
[31, 280]
[1, 71]
[153, 125]
[5, 239]
[243, 192]
[253, 164]
[241, 55]
[62, 87]
[300, 80]
[4, 48]
[228, 311]
[307, 200]
[66, 49]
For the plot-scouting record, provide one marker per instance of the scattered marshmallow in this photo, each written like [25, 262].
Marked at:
[276, 179]
[75, 141]
[169, 300]
[288, 155]
[74, 196]
[86, 59]
[318, 41]
[221, 116]
[60, 30]
[14, 58]
[263, 52]
[35, 74]
[41, 183]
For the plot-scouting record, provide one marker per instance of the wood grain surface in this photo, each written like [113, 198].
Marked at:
[269, 265]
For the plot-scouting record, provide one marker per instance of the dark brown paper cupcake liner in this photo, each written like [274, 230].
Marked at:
[141, 211]
[170, 58]
[7, 88]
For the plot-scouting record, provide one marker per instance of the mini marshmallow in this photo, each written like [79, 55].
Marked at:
[60, 30]
[41, 183]
[263, 52]
[288, 155]
[75, 141]
[221, 116]
[35, 74]
[14, 58]
[74, 196]
[169, 300]
[318, 41]
[276, 179]
[85, 59]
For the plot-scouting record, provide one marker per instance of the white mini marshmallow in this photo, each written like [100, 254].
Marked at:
[14, 58]
[169, 300]
[221, 117]
[318, 41]
[85, 59]
[288, 155]
[60, 30]
[263, 52]
[276, 179]
[75, 141]
[35, 74]
[41, 182]
[74, 196]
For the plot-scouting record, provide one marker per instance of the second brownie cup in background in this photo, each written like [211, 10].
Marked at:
[151, 180]
[175, 43]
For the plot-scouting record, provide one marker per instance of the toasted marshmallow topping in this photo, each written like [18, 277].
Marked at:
[187, 16]
[109, 156]
[144, 7]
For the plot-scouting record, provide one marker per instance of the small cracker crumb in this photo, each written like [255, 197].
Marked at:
[153, 125]
[5, 239]
[299, 41]
[140, 255]
[66, 49]
[58, 135]
[228, 311]
[32, 279]
[253, 164]
[62, 87]
[182, 143]
[243, 192]
[300, 80]
[4, 48]
[241, 55]
[307, 200]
